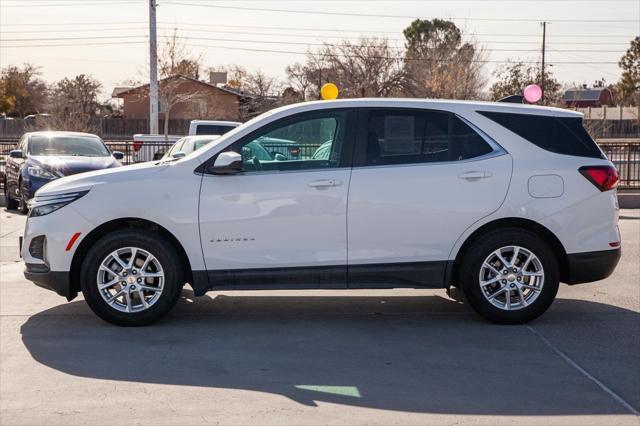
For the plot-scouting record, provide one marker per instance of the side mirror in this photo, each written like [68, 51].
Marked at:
[280, 157]
[178, 154]
[227, 163]
[16, 153]
[118, 155]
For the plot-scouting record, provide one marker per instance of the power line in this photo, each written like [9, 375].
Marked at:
[374, 15]
[291, 52]
[69, 38]
[293, 43]
[75, 44]
[84, 3]
[281, 28]
[398, 57]
[316, 36]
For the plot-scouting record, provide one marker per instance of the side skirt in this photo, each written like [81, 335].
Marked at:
[374, 276]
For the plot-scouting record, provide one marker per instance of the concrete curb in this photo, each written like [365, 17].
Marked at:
[629, 199]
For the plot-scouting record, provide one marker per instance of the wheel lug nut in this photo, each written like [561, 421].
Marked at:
[135, 272]
[124, 274]
[515, 270]
[519, 278]
[513, 285]
[123, 283]
[504, 281]
[133, 287]
[505, 272]
[140, 280]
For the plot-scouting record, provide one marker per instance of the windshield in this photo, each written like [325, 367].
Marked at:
[84, 146]
[202, 142]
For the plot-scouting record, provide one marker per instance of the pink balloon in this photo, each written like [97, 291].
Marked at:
[532, 93]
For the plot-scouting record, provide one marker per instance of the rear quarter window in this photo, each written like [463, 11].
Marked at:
[562, 135]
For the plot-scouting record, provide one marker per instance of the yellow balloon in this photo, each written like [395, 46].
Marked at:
[329, 91]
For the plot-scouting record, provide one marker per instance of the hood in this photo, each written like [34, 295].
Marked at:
[69, 165]
[79, 182]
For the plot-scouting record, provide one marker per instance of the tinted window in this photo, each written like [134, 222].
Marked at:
[397, 137]
[292, 144]
[210, 129]
[67, 145]
[562, 135]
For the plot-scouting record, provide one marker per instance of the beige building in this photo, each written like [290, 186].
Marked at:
[189, 99]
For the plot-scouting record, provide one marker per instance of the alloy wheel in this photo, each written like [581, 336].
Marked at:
[130, 279]
[511, 278]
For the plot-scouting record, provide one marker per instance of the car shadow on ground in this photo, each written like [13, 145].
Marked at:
[416, 354]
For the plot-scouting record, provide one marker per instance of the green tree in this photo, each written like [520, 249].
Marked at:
[438, 64]
[629, 84]
[512, 78]
[78, 95]
[22, 92]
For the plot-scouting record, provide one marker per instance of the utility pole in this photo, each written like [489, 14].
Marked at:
[544, 42]
[153, 70]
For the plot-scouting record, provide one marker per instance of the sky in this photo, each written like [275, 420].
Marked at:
[108, 39]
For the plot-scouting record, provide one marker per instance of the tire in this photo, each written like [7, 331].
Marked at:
[10, 202]
[121, 242]
[524, 303]
[22, 201]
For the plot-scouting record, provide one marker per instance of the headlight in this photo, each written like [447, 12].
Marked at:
[39, 172]
[44, 204]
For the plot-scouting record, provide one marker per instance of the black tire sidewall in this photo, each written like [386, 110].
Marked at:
[483, 247]
[10, 203]
[146, 240]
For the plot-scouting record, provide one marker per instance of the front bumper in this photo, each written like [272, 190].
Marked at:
[591, 266]
[57, 281]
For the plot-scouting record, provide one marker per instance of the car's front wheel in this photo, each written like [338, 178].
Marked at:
[509, 276]
[131, 277]
[23, 198]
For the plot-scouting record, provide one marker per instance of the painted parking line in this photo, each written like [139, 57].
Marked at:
[584, 372]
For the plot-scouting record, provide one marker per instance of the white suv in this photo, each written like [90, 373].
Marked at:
[504, 201]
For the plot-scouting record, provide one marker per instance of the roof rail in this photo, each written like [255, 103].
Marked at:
[513, 99]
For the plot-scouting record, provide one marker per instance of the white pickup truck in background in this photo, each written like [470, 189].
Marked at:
[151, 147]
[211, 127]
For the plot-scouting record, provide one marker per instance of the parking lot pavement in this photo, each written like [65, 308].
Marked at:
[322, 357]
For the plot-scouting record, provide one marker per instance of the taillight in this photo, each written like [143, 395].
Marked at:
[603, 177]
[137, 145]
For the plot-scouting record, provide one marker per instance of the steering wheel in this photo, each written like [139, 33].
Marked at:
[256, 163]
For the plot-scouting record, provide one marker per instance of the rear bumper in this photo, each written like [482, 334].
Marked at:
[591, 266]
[57, 281]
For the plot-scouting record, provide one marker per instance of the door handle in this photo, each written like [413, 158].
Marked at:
[474, 175]
[324, 183]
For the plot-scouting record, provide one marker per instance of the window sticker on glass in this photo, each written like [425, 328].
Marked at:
[399, 134]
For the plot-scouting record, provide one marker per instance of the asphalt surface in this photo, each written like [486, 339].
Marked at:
[322, 357]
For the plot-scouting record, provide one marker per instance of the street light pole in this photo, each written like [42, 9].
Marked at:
[153, 70]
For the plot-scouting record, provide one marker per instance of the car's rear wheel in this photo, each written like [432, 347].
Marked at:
[10, 202]
[509, 276]
[131, 277]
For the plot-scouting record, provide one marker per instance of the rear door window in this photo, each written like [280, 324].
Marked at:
[562, 135]
[413, 136]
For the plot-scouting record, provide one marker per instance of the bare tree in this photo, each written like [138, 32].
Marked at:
[258, 90]
[298, 76]
[369, 68]
[72, 104]
[177, 66]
